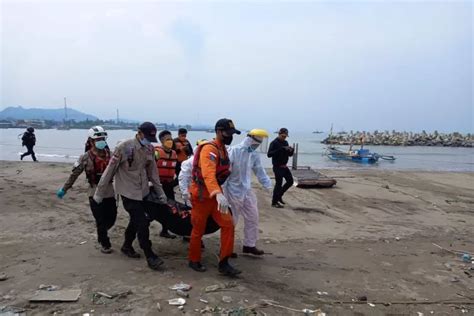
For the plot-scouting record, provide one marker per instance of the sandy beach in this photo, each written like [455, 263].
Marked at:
[370, 236]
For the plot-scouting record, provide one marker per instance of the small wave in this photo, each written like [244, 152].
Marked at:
[54, 156]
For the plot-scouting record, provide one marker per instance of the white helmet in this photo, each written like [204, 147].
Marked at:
[97, 132]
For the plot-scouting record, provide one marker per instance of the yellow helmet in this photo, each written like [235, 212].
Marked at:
[258, 132]
[201, 141]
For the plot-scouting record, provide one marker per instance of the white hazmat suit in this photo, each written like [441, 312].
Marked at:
[184, 179]
[238, 187]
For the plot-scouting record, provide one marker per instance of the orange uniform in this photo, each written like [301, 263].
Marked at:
[211, 158]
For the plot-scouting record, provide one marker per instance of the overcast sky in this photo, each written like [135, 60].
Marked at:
[304, 65]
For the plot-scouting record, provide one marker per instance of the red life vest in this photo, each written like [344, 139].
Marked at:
[166, 164]
[223, 165]
[99, 163]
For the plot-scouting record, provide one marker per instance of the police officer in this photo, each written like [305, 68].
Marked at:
[132, 166]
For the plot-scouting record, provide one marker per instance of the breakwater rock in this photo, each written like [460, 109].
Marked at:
[394, 138]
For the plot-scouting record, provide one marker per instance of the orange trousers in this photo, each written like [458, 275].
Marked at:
[199, 215]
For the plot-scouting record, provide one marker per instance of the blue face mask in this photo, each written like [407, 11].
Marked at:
[145, 142]
[100, 144]
[252, 147]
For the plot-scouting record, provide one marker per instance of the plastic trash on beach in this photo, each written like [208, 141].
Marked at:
[466, 257]
[227, 299]
[177, 301]
[181, 286]
[182, 293]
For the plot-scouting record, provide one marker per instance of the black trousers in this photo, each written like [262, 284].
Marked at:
[168, 188]
[280, 174]
[138, 226]
[29, 152]
[105, 215]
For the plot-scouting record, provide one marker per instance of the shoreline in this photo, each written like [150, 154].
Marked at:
[371, 235]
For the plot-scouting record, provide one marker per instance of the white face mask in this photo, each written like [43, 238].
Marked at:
[145, 142]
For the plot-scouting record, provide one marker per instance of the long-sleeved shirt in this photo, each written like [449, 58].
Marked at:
[186, 175]
[28, 139]
[243, 163]
[279, 154]
[132, 166]
[85, 163]
[208, 161]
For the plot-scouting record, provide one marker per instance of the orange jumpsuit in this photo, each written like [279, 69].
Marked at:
[205, 204]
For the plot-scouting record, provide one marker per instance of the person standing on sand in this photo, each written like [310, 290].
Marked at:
[166, 160]
[131, 167]
[183, 148]
[94, 162]
[238, 188]
[280, 151]
[29, 140]
[210, 170]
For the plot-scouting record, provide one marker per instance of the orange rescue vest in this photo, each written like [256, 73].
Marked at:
[223, 165]
[93, 176]
[166, 164]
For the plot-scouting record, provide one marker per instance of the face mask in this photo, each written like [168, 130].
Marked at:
[145, 142]
[227, 139]
[100, 144]
[252, 147]
[168, 144]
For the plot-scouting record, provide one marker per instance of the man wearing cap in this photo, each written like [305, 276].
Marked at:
[280, 151]
[211, 167]
[132, 166]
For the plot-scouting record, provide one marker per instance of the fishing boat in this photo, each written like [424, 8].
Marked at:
[359, 155]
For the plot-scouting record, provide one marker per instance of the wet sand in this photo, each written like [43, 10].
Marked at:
[371, 235]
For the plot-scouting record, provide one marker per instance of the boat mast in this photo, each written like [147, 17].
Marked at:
[65, 110]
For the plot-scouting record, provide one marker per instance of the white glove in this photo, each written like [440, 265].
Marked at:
[187, 199]
[97, 199]
[222, 203]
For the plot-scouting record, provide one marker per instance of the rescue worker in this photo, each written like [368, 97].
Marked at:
[238, 188]
[183, 148]
[280, 151]
[132, 165]
[185, 177]
[210, 170]
[94, 161]
[166, 160]
[29, 140]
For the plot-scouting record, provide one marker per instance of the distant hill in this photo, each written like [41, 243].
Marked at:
[20, 113]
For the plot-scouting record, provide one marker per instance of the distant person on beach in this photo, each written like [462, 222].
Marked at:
[29, 140]
[183, 148]
[131, 167]
[245, 161]
[94, 162]
[211, 168]
[280, 151]
[166, 160]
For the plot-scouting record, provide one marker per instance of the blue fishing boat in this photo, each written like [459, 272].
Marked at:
[359, 155]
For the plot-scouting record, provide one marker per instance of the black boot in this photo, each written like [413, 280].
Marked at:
[197, 266]
[281, 201]
[226, 269]
[166, 234]
[253, 251]
[277, 205]
[154, 262]
[129, 252]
